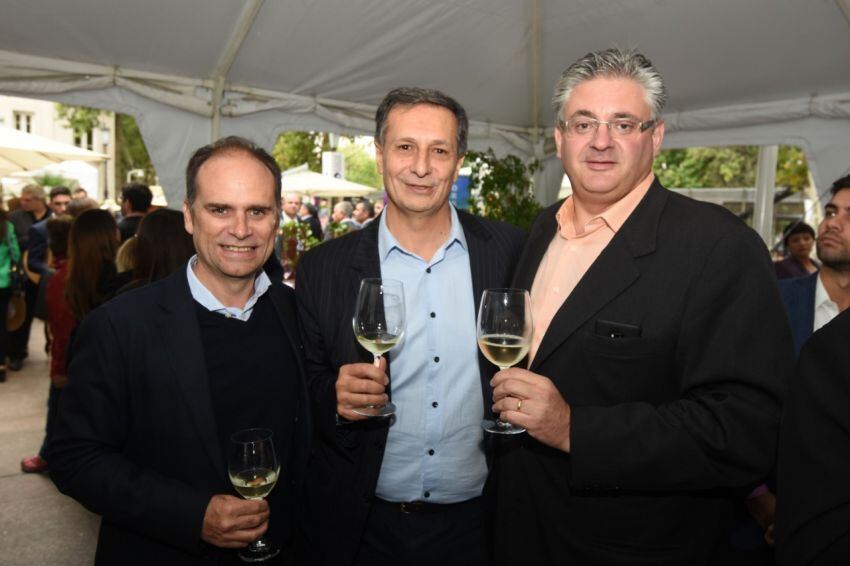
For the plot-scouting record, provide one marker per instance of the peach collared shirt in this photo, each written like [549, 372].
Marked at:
[571, 253]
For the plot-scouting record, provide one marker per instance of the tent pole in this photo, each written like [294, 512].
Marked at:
[226, 58]
[765, 189]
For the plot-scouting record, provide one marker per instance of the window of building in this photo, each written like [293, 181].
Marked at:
[23, 121]
[84, 139]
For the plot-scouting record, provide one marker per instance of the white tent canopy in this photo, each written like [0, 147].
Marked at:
[301, 180]
[755, 72]
[20, 151]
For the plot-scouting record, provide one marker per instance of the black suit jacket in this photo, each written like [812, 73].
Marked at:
[136, 439]
[798, 295]
[347, 459]
[813, 504]
[671, 351]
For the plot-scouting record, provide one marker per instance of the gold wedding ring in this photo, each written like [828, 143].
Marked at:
[519, 405]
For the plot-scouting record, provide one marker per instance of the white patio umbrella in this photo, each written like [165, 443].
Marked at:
[299, 180]
[20, 151]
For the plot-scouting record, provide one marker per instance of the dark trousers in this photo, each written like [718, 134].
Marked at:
[5, 295]
[19, 339]
[451, 535]
[52, 410]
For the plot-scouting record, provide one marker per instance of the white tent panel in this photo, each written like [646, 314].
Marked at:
[758, 70]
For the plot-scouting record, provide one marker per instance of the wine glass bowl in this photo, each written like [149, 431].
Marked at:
[504, 336]
[253, 469]
[378, 324]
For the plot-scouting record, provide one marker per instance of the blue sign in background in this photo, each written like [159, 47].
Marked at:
[460, 192]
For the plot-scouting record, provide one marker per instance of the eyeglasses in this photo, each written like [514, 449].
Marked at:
[580, 126]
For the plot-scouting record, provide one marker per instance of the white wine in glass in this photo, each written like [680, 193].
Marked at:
[253, 469]
[504, 336]
[378, 326]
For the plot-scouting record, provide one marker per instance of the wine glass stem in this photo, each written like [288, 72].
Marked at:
[377, 362]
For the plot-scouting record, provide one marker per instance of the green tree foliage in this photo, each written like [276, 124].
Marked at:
[505, 189]
[360, 167]
[131, 152]
[79, 118]
[296, 148]
[731, 166]
[50, 180]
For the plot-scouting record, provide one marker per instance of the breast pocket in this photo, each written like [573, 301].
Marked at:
[624, 369]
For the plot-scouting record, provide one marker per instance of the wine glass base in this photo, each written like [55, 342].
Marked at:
[500, 427]
[376, 411]
[258, 552]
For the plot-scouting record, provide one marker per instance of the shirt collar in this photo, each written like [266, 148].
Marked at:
[387, 242]
[207, 300]
[614, 216]
[821, 296]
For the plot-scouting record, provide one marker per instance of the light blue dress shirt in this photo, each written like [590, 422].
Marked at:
[434, 450]
[207, 300]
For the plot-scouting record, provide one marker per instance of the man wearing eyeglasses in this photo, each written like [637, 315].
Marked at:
[652, 394]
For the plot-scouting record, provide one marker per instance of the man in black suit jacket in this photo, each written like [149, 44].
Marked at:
[391, 491]
[162, 376]
[813, 504]
[652, 398]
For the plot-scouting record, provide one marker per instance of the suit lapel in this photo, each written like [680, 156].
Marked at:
[364, 262]
[181, 342]
[535, 248]
[612, 273]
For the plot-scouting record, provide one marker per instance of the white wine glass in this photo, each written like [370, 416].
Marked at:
[504, 335]
[253, 469]
[378, 326]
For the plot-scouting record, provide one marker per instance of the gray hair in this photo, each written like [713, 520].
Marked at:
[411, 96]
[612, 63]
[344, 207]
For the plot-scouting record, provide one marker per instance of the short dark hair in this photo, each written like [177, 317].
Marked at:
[59, 190]
[139, 195]
[367, 204]
[798, 227]
[229, 144]
[840, 184]
[411, 96]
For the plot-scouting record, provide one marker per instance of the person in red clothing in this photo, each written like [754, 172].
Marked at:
[60, 324]
[79, 285]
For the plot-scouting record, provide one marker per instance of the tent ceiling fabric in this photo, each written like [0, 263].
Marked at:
[731, 67]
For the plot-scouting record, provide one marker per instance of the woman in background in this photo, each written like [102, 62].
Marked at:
[162, 247]
[10, 254]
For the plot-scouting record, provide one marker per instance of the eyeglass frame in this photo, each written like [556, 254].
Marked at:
[642, 126]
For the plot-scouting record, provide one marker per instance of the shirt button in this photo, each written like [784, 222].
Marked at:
[427, 494]
[431, 452]
[428, 270]
[435, 404]
[433, 315]
[436, 359]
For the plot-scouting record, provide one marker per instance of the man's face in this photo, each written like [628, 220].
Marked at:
[834, 232]
[379, 206]
[418, 159]
[603, 168]
[360, 213]
[29, 202]
[291, 204]
[800, 245]
[234, 219]
[59, 204]
[337, 215]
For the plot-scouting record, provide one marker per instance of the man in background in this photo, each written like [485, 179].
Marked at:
[135, 203]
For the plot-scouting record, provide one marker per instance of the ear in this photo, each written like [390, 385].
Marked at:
[459, 165]
[188, 220]
[657, 137]
[557, 134]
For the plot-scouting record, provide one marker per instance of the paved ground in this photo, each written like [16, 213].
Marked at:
[38, 525]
